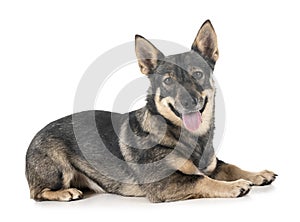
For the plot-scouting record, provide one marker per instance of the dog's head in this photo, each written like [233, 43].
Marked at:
[182, 88]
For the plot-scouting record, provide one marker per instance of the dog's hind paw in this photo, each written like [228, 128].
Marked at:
[61, 195]
[71, 194]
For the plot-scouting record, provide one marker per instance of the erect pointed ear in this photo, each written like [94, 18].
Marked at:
[147, 54]
[206, 44]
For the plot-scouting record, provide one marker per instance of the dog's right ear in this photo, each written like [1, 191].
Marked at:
[147, 54]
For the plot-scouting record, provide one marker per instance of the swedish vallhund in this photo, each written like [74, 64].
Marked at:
[163, 151]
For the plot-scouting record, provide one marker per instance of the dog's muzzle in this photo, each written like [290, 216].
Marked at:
[191, 119]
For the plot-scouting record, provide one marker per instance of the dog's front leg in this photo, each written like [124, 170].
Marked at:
[179, 186]
[229, 172]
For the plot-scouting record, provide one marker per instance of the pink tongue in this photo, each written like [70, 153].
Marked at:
[192, 121]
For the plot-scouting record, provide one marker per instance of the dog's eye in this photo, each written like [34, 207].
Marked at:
[197, 75]
[168, 81]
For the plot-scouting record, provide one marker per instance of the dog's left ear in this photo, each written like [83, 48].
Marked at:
[206, 44]
[148, 55]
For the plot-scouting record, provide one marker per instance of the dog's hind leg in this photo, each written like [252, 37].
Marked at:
[49, 173]
[65, 191]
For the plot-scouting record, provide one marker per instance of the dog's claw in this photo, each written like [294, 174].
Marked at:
[263, 178]
[243, 192]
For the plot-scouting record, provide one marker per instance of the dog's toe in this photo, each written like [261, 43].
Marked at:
[263, 178]
[240, 188]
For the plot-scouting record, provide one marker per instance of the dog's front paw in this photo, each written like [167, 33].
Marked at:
[263, 178]
[239, 188]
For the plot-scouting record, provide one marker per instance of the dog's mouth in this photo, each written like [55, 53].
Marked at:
[192, 119]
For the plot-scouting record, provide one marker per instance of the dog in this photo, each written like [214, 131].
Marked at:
[163, 151]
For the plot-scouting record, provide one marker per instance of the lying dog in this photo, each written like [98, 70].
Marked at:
[163, 151]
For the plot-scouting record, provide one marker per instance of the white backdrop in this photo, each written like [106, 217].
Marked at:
[46, 47]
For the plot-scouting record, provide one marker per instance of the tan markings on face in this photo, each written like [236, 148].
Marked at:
[163, 108]
[208, 112]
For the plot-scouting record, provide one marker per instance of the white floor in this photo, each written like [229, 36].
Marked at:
[262, 204]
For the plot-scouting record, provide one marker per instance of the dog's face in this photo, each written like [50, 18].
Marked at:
[182, 86]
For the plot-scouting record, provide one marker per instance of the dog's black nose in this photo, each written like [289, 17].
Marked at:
[189, 102]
